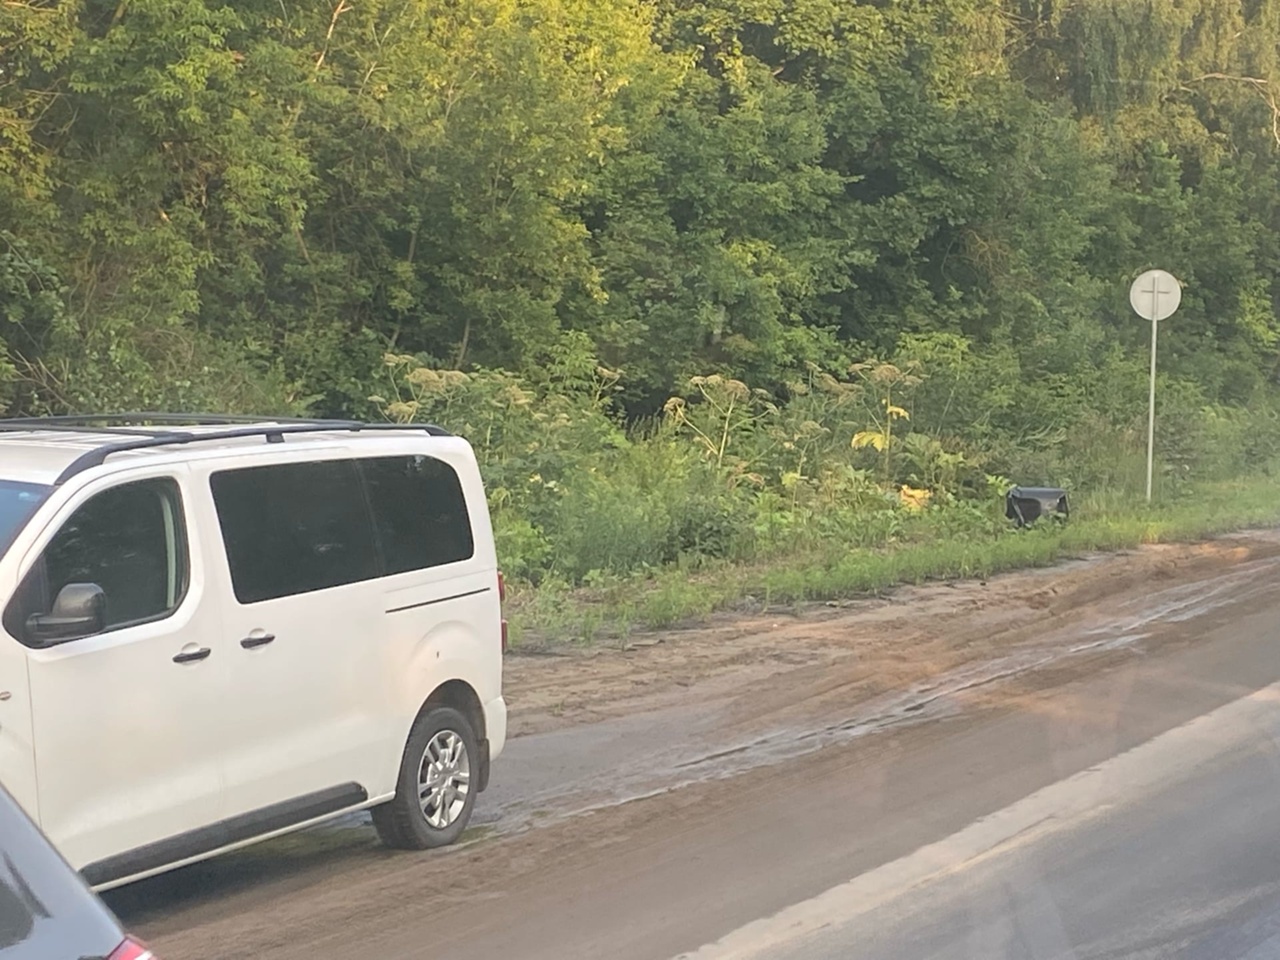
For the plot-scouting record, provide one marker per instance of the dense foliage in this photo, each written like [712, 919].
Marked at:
[699, 274]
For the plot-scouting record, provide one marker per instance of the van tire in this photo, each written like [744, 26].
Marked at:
[442, 749]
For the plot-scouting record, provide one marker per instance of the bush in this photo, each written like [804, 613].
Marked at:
[890, 456]
[644, 506]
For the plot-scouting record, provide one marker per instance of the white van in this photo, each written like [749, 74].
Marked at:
[219, 632]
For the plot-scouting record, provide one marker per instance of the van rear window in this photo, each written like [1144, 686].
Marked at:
[419, 512]
[300, 527]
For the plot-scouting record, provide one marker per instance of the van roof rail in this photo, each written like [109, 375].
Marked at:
[157, 417]
[128, 427]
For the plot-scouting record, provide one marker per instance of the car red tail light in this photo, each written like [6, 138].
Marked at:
[132, 950]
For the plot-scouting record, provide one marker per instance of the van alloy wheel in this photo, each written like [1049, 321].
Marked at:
[435, 788]
[444, 779]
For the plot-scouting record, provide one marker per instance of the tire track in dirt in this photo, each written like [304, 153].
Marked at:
[768, 663]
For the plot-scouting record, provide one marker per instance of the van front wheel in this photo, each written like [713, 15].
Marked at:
[435, 792]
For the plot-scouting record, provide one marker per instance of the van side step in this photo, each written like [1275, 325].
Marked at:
[236, 829]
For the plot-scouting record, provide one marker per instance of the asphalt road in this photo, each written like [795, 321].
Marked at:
[1169, 850]
[1117, 801]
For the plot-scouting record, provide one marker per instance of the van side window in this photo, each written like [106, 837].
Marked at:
[130, 541]
[294, 528]
[419, 512]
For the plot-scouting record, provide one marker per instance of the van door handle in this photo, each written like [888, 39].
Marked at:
[260, 641]
[191, 656]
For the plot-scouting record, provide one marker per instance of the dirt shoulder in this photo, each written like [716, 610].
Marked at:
[858, 648]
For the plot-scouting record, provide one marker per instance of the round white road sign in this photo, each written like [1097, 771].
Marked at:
[1155, 295]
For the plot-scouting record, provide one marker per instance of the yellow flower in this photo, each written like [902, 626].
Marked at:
[914, 499]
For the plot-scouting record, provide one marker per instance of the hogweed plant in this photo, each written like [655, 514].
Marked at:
[882, 380]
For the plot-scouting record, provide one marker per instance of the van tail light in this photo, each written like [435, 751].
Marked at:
[502, 596]
[132, 950]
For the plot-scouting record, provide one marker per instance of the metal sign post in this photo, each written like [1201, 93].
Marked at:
[1154, 296]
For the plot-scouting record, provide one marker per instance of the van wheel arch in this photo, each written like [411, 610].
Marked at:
[461, 696]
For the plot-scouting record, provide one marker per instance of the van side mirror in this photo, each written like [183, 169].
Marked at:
[80, 610]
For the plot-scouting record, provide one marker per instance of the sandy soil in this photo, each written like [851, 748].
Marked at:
[858, 648]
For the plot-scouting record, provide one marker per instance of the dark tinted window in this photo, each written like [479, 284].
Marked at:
[419, 512]
[129, 540]
[45, 908]
[17, 502]
[294, 528]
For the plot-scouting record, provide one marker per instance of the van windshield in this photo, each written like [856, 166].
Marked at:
[17, 502]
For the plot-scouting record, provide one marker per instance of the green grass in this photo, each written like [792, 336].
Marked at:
[554, 613]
